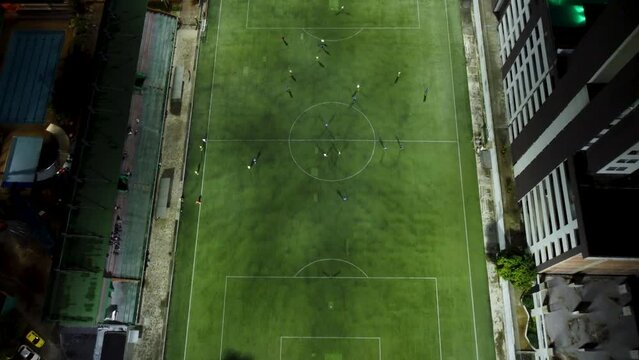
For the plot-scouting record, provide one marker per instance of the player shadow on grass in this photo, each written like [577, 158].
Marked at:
[236, 355]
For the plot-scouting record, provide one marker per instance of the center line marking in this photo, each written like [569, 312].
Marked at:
[331, 140]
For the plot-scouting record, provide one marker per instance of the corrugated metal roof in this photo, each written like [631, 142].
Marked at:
[28, 75]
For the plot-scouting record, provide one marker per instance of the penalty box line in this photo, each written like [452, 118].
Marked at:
[432, 278]
[333, 278]
[418, 27]
[379, 340]
[334, 28]
[333, 337]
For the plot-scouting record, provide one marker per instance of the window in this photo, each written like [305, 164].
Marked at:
[632, 161]
[623, 168]
[621, 161]
[611, 168]
[633, 152]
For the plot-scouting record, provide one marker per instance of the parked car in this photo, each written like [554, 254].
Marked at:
[35, 339]
[25, 352]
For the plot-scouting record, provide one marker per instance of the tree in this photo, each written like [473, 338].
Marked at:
[70, 94]
[518, 268]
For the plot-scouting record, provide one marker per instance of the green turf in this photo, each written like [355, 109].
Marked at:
[303, 312]
[320, 272]
[324, 14]
[330, 348]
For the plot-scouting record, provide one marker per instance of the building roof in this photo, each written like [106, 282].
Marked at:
[605, 233]
[27, 75]
[23, 160]
[587, 318]
[78, 342]
[113, 346]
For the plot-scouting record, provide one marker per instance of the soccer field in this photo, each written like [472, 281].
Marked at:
[340, 215]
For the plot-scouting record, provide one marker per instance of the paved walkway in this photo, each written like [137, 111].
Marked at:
[481, 45]
[157, 278]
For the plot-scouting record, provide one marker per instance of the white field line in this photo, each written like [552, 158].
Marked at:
[439, 325]
[333, 140]
[332, 259]
[332, 278]
[333, 40]
[332, 337]
[334, 28]
[379, 339]
[461, 184]
[419, 21]
[226, 282]
[197, 228]
[248, 8]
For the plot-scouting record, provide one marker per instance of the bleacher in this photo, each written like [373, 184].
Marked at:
[148, 104]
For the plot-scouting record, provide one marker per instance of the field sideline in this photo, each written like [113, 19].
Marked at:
[339, 214]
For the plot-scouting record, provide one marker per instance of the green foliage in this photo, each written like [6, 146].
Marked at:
[504, 149]
[510, 186]
[518, 268]
[81, 24]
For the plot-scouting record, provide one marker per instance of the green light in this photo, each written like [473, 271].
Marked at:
[567, 15]
[577, 14]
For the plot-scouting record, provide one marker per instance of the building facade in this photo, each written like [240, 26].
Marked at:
[570, 73]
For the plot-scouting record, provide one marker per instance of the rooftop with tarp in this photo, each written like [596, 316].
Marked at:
[21, 164]
[108, 228]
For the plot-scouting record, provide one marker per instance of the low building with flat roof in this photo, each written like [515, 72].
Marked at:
[586, 317]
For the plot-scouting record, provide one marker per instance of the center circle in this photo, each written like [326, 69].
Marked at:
[332, 141]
